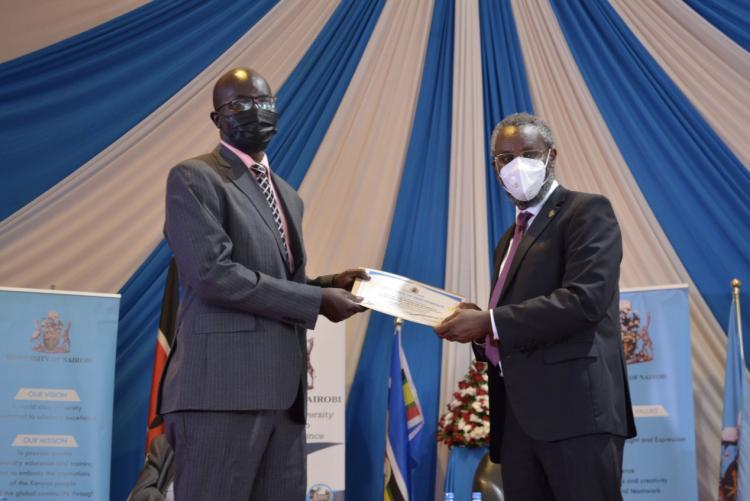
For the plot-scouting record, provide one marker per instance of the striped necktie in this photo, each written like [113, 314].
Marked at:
[261, 176]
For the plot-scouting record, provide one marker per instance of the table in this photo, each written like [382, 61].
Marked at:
[462, 464]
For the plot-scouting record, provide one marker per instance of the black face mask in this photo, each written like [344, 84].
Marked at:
[249, 131]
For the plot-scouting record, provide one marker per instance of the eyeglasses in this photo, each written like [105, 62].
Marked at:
[505, 158]
[247, 103]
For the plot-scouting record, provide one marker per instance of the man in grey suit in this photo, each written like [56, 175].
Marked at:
[234, 389]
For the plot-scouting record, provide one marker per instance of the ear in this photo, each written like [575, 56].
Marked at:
[215, 118]
[553, 154]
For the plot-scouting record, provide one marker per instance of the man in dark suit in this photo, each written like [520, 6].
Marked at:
[234, 389]
[559, 399]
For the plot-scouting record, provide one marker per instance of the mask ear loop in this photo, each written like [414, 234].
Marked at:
[547, 176]
[546, 167]
[499, 178]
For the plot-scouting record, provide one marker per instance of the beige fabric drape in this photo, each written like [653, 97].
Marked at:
[351, 187]
[114, 204]
[29, 25]
[708, 67]
[467, 266]
[588, 160]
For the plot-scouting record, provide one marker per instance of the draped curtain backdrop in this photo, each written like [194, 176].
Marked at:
[386, 112]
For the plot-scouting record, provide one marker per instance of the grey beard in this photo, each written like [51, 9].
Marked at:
[523, 205]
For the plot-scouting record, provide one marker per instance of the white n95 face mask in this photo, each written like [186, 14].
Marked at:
[523, 177]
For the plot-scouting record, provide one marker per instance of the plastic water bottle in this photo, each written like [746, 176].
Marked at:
[476, 496]
[449, 496]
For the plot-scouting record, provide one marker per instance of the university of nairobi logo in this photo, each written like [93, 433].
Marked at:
[320, 492]
[51, 334]
[636, 342]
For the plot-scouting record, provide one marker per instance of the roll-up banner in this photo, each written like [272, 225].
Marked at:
[660, 462]
[326, 411]
[56, 387]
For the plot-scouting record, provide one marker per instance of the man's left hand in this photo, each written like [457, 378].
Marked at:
[345, 280]
[465, 326]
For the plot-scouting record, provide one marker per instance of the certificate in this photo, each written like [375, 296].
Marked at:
[406, 299]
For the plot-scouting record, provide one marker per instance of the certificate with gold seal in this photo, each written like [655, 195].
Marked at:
[405, 298]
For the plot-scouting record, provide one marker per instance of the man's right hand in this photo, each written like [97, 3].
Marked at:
[338, 304]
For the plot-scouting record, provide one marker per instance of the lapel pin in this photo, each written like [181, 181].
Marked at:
[551, 213]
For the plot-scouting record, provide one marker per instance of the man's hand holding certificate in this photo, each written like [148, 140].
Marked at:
[406, 299]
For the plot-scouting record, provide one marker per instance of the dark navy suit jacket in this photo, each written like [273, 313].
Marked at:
[559, 325]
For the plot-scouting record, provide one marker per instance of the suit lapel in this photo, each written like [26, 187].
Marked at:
[500, 251]
[549, 211]
[243, 179]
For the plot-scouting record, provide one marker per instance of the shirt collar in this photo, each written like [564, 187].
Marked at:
[534, 209]
[247, 159]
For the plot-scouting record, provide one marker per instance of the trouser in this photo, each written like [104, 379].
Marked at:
[583, 468]
[237, 456]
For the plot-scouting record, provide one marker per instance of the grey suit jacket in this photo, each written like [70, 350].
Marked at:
[240, 342]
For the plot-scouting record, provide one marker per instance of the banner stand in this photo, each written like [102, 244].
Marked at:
[660, 462]
[57, 374]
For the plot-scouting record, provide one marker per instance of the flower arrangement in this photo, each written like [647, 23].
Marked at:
[467, 422]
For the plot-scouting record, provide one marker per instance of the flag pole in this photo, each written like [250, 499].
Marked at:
[398, 322]
[736, 284]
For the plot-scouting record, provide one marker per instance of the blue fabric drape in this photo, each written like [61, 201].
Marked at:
[311, 95]
[67, 102]
[694, 184]
[306, 112]
[416, 248]
[506, 91]
[136, 341]
[731, 18]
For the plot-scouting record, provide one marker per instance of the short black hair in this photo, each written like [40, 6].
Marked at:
[519, 119]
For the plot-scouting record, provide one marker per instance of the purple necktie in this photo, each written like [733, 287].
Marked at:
[490, 345]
